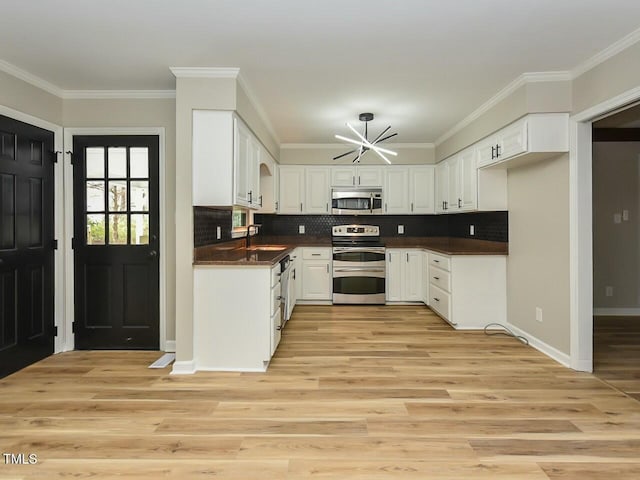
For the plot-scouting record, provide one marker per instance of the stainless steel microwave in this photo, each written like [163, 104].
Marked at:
[356, 201]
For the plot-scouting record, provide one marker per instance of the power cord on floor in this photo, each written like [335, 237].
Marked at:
[504, 331]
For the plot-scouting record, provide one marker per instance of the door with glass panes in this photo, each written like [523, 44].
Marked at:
[115, 242]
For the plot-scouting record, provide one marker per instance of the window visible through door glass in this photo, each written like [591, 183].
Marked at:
[117, 196]
[139, 196]
[95, 229]
[95, 196]
[139, 229]
[95, 162]
[139, 162]
[117, 229]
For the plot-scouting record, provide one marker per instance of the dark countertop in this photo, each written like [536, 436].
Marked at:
[233, 253]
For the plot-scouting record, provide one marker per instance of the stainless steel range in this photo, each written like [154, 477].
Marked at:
[359, 268]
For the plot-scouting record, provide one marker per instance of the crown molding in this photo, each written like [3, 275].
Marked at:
[205, 72]
[258, 106]
[115, 94]
[30, 78]
[331, 146]
[604, 55]
[520, 81]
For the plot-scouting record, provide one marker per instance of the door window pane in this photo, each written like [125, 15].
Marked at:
[139, 196]
[95, 229]
[95, 162]
[117, 162]
[117, 196]
[139, 162]
[117, 229]
[139, 229]
[95, 196]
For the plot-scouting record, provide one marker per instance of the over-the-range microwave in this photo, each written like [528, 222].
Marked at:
[356, 201]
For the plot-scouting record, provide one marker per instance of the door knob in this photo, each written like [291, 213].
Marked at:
[153, 253]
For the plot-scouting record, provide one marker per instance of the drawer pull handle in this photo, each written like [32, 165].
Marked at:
[316, 254]
[436, 278]
[436, 299]
[436, 261]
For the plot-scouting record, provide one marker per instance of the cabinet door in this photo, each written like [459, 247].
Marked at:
[253, 172]
[317, 190]
[369, 177]
[242, 155]
[422, 189]
[453, 198]
[468, 180]
[343, 176]
[316, 280]
[442, 186]
[486, 151]
[291, 189]
[396, 194]
[268, 179]
[413, 287]
[513, 140]
[395, 273]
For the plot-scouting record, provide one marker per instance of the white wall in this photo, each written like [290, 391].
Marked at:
[24, 97]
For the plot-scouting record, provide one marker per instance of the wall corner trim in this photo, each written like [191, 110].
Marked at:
[184, 367]
[604, 55]
[169, 346]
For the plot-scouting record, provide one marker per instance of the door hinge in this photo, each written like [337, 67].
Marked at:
[54, 157]
[55, 331]
[73, 327]
[70, 153]
[54, 244]
[73, 243]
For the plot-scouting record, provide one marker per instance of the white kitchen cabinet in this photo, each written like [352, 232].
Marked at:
[396, 190]
[226, 158]
[422, 189]
[442, 186]
[231, 333]
[468, 291]
[404, 275]
[317, 275]
[533, 137]
[295, 276]
[292, 182]
[356, 176]
[268, 170]
[317, 193]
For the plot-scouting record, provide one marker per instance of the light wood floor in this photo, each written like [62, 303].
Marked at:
[616, 352]
[368, 393]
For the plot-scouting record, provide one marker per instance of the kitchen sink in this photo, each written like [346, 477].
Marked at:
[267, 248]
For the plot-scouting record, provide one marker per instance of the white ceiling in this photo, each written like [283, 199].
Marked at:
[419, 65]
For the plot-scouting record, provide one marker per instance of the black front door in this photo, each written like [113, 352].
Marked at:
[116, 228]
[26, 244]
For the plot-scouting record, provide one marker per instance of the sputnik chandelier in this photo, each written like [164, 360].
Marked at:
[363, 143]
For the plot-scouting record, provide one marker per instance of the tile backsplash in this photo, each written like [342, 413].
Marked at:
[205, 223]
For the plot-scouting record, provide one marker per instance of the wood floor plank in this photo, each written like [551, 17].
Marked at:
[591, 471]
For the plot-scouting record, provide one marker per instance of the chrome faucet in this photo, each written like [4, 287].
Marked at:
[249, 227]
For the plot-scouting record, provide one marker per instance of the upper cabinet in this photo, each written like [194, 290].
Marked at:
[304, 190]
[396, 190]
[317, 192]
[534, 137]
[226, 161]
[356, 176]
[291, 189]
[421, 189]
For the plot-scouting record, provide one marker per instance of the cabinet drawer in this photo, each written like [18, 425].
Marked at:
[440, 261]
[275, 275]
[316, 253]
[440, 278]
[440, 302]
[275, 298]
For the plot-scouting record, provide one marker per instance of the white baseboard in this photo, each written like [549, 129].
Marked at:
[215, 369]
[583, 366]
[543, 347]
[617, 312]
[169, 346]
[183, 367]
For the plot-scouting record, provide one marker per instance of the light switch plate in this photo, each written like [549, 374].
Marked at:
[539, 314]
[301, 229]
[472, 230]
[218, 232]
[617, 218]
[400, 229]
[625, 215]
[608, 291]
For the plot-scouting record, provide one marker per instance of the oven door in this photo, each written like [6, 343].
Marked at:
[359, 283]
[350, 256]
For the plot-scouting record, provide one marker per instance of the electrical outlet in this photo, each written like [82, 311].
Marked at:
[617, 218]
[625, 215]
[608, 291]
[218, 233]
[472, 230]
[301, 229]
[400, 229]
[538, 314]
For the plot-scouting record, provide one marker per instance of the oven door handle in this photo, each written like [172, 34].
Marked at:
[358, 250]
[359, 269]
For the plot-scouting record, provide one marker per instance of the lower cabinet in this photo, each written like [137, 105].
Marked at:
[317, 277]
[468, 291]
[405, 275]
[237, 315]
